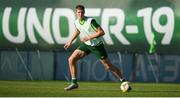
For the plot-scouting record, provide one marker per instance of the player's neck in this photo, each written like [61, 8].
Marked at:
[81, 21]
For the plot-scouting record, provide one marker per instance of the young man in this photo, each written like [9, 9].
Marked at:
[91, 42]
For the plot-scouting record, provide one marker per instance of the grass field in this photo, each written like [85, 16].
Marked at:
[86, 89]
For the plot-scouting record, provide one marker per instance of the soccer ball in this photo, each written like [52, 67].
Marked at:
[125, 86]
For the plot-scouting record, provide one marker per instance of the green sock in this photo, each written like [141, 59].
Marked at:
[122, 80]
[74, 80]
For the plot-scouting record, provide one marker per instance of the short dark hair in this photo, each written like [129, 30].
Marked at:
[80, 7]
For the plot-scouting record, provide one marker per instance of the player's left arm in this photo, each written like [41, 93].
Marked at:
[99, 31]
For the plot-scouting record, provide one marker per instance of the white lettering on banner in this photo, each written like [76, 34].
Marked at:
[157, 67]
[154, 66]
[150, 21]
[20, 38]
[6, 64]
[146, 14]
[88, 65]
[141, 68]
[33, 22]
[172, 69]
[97, 74]
[56, 28]
[115, 29]
[167, 28]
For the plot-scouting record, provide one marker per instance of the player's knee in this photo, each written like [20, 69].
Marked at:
[110, 67]
[71, 60]
[107, 67]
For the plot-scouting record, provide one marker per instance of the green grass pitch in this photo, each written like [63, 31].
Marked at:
[86, 89]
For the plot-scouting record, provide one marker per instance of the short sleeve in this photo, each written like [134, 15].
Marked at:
[94, 24]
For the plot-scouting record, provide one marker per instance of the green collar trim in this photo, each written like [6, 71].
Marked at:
[82, 21]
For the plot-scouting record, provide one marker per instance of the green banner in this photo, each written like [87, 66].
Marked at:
[130, 25]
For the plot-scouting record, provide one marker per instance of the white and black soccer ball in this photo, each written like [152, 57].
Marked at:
[125, 86]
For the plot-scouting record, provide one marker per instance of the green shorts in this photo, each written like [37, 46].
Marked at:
[98, 50]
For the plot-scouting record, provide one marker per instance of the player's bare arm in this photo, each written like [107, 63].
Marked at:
[75, 35]
[99, 32]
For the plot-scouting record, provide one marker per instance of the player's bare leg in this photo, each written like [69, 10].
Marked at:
[75, 56]
[116, 72]
[108, 65]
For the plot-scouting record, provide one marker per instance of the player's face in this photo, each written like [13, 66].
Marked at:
[80, 14]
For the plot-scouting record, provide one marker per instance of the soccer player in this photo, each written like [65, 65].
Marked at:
[91, 42]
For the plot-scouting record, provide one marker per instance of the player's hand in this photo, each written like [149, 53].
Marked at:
[84, 39]
[66, 46]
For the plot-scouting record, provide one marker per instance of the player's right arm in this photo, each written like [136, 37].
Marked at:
[74, 36]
